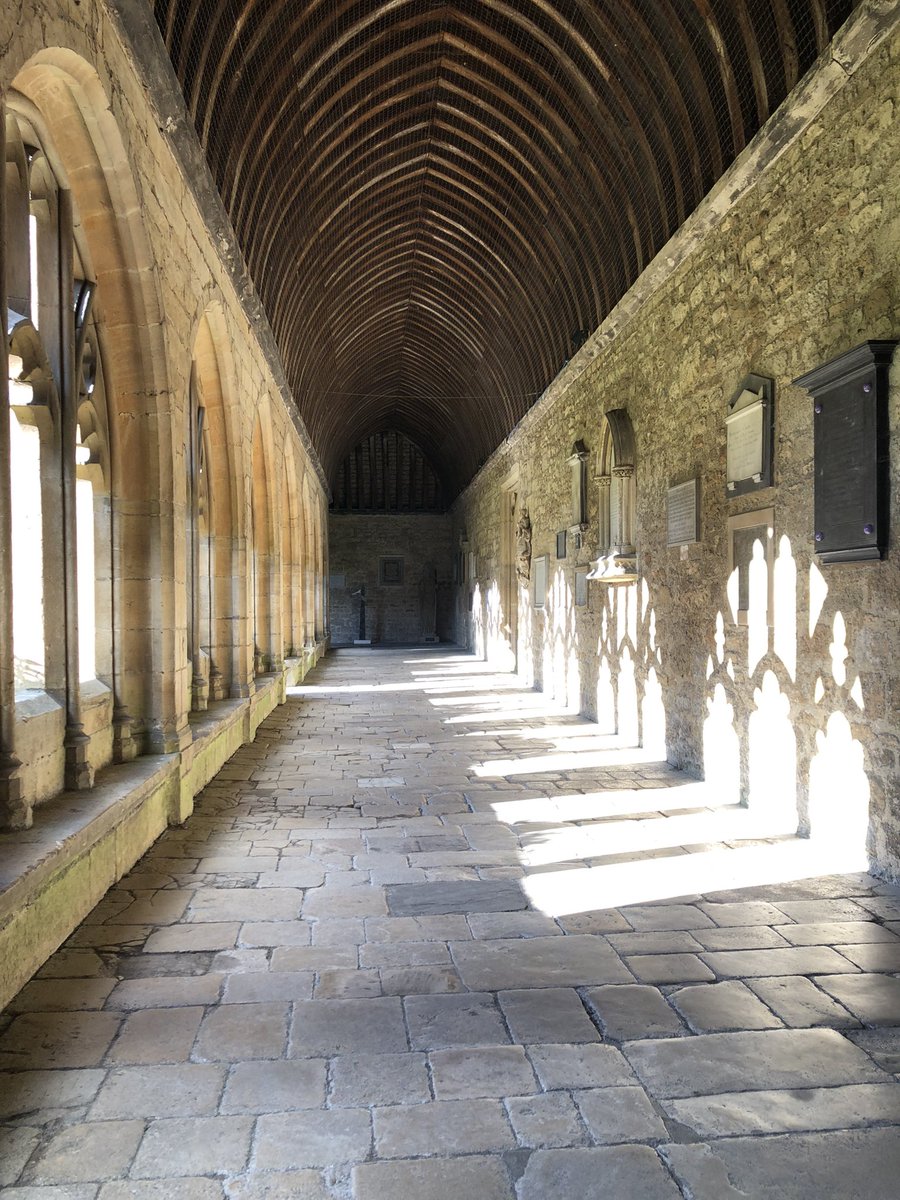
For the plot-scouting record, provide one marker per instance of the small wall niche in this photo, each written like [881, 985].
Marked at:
[617, 558]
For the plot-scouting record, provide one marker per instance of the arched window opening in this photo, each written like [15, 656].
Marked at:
[60, 483]
[33, 330]
[199, 550]
[93, 507]
[617, 558]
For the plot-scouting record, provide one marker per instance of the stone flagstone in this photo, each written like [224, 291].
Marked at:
[318, 990]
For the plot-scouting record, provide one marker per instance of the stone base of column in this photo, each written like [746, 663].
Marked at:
[15, 809]
[125, 745]
[79, 774]
[199, 694]
[168, 741]
[218, 689]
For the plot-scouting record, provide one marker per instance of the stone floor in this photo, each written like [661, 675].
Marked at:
[428, 939]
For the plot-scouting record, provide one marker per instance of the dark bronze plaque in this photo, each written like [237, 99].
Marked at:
[850, 398]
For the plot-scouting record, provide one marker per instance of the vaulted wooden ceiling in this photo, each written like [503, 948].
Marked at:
[438, 201]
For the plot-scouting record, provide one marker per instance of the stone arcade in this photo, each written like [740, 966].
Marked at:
[563, 332]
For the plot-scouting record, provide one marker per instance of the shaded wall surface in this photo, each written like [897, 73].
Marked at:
[203, 537]
[799, 263]
[405, 565]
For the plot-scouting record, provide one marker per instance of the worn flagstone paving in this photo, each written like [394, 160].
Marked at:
[428, 939]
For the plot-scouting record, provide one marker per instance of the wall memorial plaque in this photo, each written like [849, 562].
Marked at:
[390, 572]
[540, 571]
[851, 449]
[749, 436]
[682, 510]
[581, 587]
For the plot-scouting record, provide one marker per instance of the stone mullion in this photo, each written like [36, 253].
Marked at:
[79, 773]
[199, 688]
[15, 811]
[125, 747]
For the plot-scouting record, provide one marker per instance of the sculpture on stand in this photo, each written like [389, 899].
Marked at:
[362, 640]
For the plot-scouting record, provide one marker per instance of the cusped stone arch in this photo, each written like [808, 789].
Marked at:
[62, 97]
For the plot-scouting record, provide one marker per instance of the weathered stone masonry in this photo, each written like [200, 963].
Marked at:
[209, 504]
[798, 262]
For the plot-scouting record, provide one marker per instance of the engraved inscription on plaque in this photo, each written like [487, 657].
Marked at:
[682, 513]
[744, 428]
[749, 430]
[540, 571]
[851, 453]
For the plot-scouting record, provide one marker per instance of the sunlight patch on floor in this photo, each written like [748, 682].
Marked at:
[641, 881]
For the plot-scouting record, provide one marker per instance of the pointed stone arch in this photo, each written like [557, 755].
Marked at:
[64, 100]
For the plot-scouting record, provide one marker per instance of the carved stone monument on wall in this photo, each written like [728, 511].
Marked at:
[523, 547]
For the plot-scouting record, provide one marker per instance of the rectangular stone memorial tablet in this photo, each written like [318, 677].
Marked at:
[682, 513]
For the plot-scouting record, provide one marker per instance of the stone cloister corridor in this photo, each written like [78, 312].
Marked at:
[427, 936]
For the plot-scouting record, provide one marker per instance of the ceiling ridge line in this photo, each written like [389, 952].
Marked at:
[416, 266]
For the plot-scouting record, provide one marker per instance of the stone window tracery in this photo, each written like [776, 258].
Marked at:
[60, 515]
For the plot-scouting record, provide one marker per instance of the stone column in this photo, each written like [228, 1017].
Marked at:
[15, 811]
[623, 536]
[79, 774]
[242, 681]
[607, 534]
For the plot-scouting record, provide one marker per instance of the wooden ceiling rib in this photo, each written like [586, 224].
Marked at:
[434, 199]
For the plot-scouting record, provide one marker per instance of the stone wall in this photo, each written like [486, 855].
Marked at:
[101, 765]
[794, 259]
[395, 613]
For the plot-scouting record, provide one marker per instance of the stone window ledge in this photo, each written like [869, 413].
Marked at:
[92, 692]
[71, 825]
[35, 703]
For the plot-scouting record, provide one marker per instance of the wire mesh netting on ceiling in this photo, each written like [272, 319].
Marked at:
[386, 473]
[437, 202]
